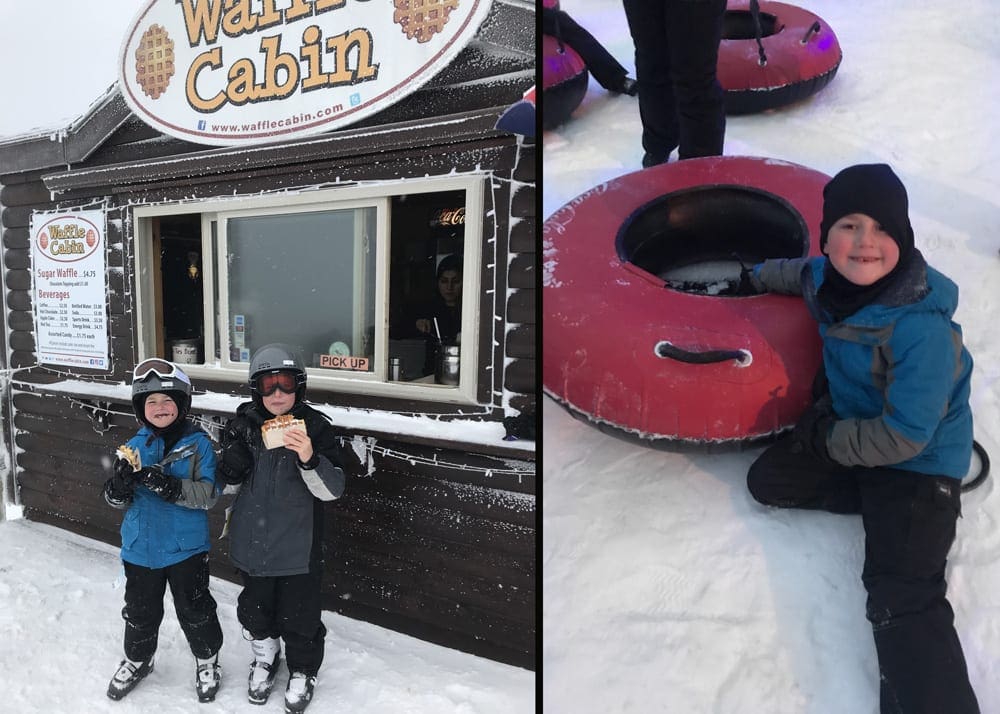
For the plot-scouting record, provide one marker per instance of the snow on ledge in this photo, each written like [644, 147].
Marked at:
[418, 425]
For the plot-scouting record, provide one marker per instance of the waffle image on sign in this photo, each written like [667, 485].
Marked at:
[154, 61]
[421, 19]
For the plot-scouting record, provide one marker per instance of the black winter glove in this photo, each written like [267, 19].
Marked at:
[746, 285]
[166, 487]
[821, 386]
[119, 488]
[812, 429]
[236, 461]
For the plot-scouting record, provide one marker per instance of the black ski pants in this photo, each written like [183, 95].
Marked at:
[909, 521]
[608, 72]
[676, 54]
[288, 607]
[193, 603]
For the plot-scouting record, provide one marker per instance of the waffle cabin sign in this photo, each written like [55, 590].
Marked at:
[228, 72]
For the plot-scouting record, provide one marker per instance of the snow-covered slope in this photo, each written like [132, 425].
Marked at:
[666, 588]
[60, 617]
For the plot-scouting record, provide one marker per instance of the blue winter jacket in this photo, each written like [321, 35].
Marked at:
[156, 533]
[898, 371]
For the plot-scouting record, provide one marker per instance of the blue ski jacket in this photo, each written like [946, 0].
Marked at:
[898, 371]
[155, 533]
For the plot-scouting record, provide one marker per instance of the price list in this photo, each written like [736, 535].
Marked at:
[69, 288]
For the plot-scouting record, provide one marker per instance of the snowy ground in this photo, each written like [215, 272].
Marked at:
[60, 618]
[665, 587]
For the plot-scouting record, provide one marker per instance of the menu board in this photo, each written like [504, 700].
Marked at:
[69, 288]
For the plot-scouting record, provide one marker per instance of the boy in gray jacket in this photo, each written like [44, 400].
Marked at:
[276, 524]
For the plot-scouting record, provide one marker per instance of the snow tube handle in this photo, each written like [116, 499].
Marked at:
[664, 350]
[984, 468]
[813, 28]
[758, 32]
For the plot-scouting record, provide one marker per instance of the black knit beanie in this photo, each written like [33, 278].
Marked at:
[872, 189]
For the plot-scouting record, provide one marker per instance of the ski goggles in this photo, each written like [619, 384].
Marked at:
[286, 381]
[160, 367]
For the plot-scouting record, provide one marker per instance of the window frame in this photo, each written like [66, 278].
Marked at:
[215, 213]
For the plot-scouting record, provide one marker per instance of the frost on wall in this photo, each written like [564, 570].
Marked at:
[5, 470]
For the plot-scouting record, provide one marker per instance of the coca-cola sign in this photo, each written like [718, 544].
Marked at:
[449, 217]
[246, 71]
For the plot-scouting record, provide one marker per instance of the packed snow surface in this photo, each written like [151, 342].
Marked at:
[60, 614]
[666, 588]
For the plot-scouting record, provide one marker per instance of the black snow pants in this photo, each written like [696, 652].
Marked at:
[909, 521]
[288, 607]
[681, 103]
[193, 603]
[608, 72]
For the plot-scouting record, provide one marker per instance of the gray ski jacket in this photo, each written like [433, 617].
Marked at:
[276, 516]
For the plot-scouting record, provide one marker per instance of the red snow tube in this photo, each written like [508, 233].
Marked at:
[564, 81]
[646, 336]
[802, 56]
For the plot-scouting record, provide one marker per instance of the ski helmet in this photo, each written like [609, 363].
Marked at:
[277, 357]
[156, 375]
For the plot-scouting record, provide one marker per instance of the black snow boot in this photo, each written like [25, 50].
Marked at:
[208, 678]
[299, 692]
[266, 657]
[128, 675]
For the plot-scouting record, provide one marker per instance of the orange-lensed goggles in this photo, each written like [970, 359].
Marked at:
[268, 383]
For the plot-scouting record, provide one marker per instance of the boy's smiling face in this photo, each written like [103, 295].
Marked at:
[860, 250]
[160, 410]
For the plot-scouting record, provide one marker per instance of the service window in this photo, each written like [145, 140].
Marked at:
[377, 288]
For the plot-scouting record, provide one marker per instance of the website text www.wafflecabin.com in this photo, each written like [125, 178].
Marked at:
[271, 124]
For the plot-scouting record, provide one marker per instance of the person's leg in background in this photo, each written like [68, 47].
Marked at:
[647, 23]
[693, 33]
[608, 71]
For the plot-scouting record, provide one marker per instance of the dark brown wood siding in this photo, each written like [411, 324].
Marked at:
[522, 307]
[434, 542]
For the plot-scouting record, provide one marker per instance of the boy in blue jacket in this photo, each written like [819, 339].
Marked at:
[890, 433]
[165, 477]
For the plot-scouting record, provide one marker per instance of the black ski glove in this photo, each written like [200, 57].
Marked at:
[236, 461]
[812, 429]
[746, 285]
[166, 487]
[119, 488]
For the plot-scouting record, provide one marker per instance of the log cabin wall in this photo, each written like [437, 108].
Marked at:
[435, 537]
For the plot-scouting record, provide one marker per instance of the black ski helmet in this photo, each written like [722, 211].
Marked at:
[157, 375]
[277, 357]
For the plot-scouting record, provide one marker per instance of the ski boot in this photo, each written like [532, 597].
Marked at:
[129, 674]
[299, 692]
[208, 678]
[266, 657]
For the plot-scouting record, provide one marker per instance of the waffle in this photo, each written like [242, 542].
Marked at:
[422, 19]
[154, 61]
[129, 454]
[273, 430]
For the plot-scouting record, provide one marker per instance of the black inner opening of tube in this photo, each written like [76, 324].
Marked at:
[708, 225]
[738, 25]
